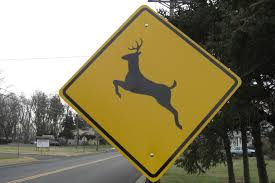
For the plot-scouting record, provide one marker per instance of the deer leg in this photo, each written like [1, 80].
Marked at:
[116, 84]
[122, 84]
[176, 116]
[166, 104]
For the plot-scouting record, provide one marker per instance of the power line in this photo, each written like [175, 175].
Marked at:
[12, 97]
[7, 90]
[41, 58]
[8, 96]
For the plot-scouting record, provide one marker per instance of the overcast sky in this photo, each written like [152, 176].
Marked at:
[51, 30]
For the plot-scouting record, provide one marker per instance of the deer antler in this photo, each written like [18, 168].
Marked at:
[138, 46]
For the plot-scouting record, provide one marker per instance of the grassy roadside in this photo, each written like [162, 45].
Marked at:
[219, 174]
[54, 150]
[14, 160]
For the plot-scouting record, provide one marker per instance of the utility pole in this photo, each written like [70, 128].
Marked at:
[18, 148]
[18, 142]
[172, 8]
[171, 4]
[97, 142]
[77, 133]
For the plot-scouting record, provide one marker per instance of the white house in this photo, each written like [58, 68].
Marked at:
[83, 134]
[236, 140]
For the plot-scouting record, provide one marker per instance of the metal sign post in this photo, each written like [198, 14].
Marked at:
[148, 181]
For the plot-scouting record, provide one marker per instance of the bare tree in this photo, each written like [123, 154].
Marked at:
[25, 119]
[55, 115]
[39, 102]
[9, 113]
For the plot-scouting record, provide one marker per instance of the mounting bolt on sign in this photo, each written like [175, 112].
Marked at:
[149, 91]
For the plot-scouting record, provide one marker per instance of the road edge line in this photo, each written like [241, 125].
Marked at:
[60, 170]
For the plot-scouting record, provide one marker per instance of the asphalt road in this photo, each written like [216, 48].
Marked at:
[101, 168]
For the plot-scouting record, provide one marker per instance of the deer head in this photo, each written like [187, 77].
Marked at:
[133, 56]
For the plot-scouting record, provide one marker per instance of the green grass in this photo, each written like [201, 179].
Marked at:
[54, 150]
[6, 158]
[218, 174]
[15, 160]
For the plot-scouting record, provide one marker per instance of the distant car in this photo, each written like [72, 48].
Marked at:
[34, 142]
[238, 151]
[54, 143]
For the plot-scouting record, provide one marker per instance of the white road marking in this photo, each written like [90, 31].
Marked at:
[60, 170]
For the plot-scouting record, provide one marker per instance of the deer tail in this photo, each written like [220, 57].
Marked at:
[173, 85]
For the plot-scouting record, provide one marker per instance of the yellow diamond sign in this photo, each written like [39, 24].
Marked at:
[150, 90]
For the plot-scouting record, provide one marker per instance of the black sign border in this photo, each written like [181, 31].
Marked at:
[194, 131]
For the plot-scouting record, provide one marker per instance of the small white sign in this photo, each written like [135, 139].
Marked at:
[43, 143]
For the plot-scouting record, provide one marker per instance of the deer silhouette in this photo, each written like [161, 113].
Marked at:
[135, 82]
